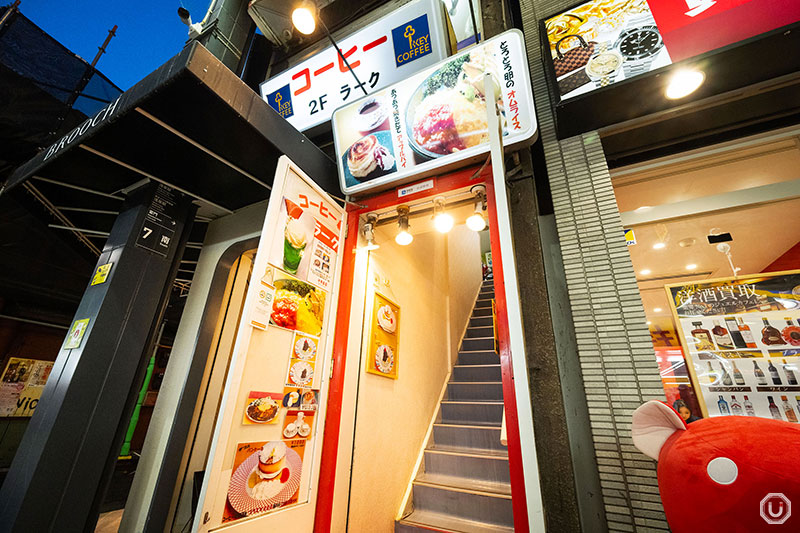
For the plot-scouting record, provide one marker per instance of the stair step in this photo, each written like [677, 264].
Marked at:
[482, 303]
[468, 467]
[480, 322]
[480, 332]
[463, 373]
[488, 508]
[484, 311]
[482, 357]
[465, 483]
[468, 438]
[429, 521]
[471, 413]
[477, 343]
[475, 390]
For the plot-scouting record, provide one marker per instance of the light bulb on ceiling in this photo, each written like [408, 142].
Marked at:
[476, 222]
[659, 246]
[645, 272]
[403, 238]
[368, 230]
[683, 83]
[304, 17]
[442, 221]
[691, 266]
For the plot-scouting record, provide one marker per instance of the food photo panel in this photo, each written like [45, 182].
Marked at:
[297, 305]
[262, 407]
[300, 374]
[298, 424]
[382, 358]
[300, 398]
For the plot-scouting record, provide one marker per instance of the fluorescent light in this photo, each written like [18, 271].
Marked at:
[645, 272]
[691, 266]
[684, 83]
[303, 19]
[659, 245]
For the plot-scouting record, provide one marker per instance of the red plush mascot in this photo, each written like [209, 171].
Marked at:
[727, 474]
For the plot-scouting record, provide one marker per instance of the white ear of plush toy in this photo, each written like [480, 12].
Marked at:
[653, 423]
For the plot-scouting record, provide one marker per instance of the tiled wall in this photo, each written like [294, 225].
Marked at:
[614, 348]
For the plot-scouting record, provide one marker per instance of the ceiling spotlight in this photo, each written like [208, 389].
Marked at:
[683, 83]
[403, 238]
[691, 266]
[659, 246]
[476, 222]
[368, 230]
[656, 309]
[441, 220]
[645, 272]
[304, 17]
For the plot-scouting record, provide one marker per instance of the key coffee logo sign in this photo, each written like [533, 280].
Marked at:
[411, 40]
[281, 101]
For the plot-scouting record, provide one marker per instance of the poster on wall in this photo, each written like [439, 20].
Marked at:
[601, 42]
[741, 338]
[21, 386]
[383, 334]
[435, 118]
[297, 305]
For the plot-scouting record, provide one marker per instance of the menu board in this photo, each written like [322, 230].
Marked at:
[267, 442]
[741, 338]
[21, 386]
[435, 118]
[602, 42]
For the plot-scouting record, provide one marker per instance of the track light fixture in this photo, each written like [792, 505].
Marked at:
[403, 238]
[476, 221]
[368, 230]
[442, 221]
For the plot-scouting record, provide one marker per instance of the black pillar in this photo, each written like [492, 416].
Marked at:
[66, 457]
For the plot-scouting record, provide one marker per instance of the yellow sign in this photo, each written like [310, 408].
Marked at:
[76, 334]
[101, 274]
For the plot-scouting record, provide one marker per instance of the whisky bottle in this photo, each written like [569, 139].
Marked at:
[723, 406]
[737, 375]
[702, 337]
[790, 375]
[760, 377]
[736, 335]
[726, 378]
[736, 407]
[711, 375]
[748, 407]
[722, 336]
[773, 409]
[747, 335]
[790, 414]
[791, 333]
[770, 335]
[773, 373]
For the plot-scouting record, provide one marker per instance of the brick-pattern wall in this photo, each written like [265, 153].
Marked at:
[614, 348]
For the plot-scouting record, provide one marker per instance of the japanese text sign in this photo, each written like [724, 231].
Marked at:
[436, 119]
[382, 53]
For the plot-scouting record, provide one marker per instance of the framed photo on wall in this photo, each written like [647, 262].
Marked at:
[382, 358]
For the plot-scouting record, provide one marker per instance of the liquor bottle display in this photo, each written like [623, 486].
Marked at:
[760, 377]
[791, 333]
[723, 406]
[773, 373]
[773, 409]
[736, 407]
[722, 337]
[736, 335]
[790, 414]
[702, 337]
[726, 378]
[748, 407]
[737, 375]
[747, 335]
[711, 375]
[788, 369]
[770, 335]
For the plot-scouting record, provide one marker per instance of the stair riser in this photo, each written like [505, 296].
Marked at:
[486, 311]
[483, 468]
[480, 322]
[476, 373]
[480, 332]
[464, 505]
[478, 358]
[475, 391]
[478, 439]
[483, 303]
[473, 345]
[472, 414]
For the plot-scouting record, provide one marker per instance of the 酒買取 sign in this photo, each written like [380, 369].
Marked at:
[436, 118]
[390, 49]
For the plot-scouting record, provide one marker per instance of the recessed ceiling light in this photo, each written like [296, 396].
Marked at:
[691, 266]
[684, 83]
[656, 309]
[645, 272]
[659, 245]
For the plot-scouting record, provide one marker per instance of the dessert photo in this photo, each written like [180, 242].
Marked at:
[305, 348]
[262, 407]
[370, 157]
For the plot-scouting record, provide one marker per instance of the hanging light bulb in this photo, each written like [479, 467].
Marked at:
[441, 220]
[368, 230]
[476, 222]
[303, 17]
[403, 238]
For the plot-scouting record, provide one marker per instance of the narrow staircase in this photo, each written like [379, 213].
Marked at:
[463, 482]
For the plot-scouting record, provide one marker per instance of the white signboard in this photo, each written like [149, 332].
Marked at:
[384, 52]
[436, 119]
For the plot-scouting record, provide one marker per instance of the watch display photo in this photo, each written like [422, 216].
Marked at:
[639, 46]
[604, 65]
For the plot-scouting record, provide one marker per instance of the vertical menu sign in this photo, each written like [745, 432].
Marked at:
[742, 342]
[158, 228]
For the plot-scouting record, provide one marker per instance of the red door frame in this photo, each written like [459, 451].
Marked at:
[330, 444]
